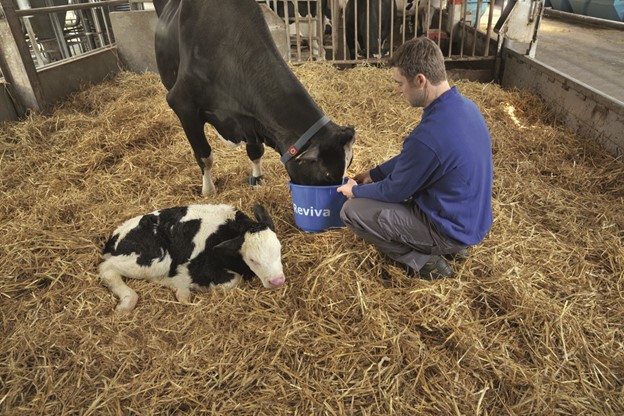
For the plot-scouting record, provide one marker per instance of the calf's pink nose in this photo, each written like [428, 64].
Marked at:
[277, 281]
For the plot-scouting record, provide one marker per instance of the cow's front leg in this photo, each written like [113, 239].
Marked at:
[255, 152]
[208, 187]
[193, 126]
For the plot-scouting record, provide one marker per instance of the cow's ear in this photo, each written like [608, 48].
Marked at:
[311, 153]
[229, 247]
[263, 217]
[348, 135]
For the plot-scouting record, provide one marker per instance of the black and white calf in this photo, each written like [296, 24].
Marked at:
[194, 247]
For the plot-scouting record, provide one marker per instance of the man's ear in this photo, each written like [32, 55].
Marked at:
[419, 80]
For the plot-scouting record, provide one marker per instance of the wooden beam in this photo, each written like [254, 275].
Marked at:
[22, 74]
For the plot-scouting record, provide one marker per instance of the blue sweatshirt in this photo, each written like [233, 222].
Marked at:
[446, 167]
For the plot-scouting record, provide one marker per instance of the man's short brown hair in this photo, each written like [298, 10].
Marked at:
[420, 56]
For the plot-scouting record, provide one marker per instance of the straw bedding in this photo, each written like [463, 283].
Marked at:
[532, 324]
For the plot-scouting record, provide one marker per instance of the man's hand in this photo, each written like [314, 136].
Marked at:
[347, 188]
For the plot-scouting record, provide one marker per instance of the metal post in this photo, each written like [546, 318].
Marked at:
[22, 74]
[25, 4]
[58, 32]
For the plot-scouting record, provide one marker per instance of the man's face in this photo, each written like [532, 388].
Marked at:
[413, 92]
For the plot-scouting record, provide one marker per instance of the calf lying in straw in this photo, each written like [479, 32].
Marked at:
[192, 247]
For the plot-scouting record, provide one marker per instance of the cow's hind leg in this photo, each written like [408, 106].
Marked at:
[112, 278]
[255, 152]
[193, 126]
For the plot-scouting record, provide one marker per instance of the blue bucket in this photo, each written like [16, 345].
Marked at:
[317, 208]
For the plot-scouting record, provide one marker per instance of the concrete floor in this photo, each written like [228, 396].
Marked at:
[593, 55]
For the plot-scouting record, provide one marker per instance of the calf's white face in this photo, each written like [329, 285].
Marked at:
[261, 251]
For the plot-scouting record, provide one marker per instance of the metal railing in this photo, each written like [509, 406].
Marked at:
[341, 30]
[62, 29]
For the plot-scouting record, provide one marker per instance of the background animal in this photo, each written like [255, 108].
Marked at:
[426, 10]
[373, 17]
[307, 27]
[192, 247]
[220, 65]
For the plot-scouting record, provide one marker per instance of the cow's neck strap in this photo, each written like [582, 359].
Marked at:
[294, 149]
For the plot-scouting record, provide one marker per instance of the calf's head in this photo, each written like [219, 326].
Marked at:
[324, 163]
[260, 249]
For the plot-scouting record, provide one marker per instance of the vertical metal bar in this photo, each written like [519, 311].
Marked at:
[297, 36]
[109, 30]
[427, 18]
[416, 18]
[58, 31]
[392, 9]
[32, 37]
[88, 43]
[344, 33]
[404, 22]
[463, 31]
[33, 41]
[333, 9]
[20, 68]
[317, 24]
[96, 23]
[476, 27]
[355, 26]
[287, 26]
[451, 26]
[368, 10]
[440, 24]
[489, 27]
[379, 20]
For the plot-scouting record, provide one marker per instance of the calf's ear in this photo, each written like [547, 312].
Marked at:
[262, 216]
[229, 247]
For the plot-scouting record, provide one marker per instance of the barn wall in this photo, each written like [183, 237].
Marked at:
[7, 111]
[581, 108]
[59, 81]
[134, 35]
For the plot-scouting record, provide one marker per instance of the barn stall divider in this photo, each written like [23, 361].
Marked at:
[50, 47]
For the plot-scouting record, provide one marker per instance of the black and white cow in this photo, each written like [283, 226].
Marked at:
[193, 247]
[373, 17]
[219, 62]
[426, 9]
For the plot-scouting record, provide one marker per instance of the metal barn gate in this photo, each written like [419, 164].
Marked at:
[40, 35]
[320, 29]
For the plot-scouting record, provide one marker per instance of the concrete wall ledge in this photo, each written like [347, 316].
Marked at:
[584, 110]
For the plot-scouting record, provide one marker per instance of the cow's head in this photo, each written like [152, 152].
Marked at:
[323, 162]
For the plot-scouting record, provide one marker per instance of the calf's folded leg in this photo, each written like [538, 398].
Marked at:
[112, 278]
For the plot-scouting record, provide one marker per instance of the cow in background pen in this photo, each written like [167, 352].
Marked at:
[305, 23]
[372, 18]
